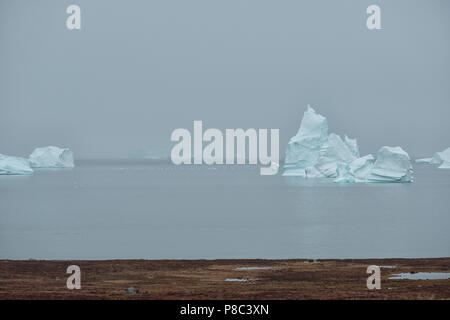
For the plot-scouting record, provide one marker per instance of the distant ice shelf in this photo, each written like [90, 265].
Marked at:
[313, 153]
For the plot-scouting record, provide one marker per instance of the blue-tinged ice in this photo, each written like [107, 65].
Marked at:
[424, 160]
[392, 165]
[312, 172]
[51, 157]
[303, 149]
[357, 171]
[334, 152]
[14, 165]
[442, 158]
[353, 145]
[312, 153]
[445, 165]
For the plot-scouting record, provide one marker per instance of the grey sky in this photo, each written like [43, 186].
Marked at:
[139, 69]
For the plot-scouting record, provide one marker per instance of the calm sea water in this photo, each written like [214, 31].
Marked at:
[106, 210]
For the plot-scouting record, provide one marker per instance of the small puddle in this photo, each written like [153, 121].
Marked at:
[311, 261]
[252, 268]
[239, 280]
[421, 276]
[388, 267]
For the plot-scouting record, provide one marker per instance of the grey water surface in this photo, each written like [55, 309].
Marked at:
[149, 210]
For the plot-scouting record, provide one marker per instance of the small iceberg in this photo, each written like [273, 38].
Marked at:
[51, 157]
[442, 158]
[424, 160]
[313, 153]
[14, 165]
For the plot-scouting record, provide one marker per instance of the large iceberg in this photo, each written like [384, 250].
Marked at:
[51, 157]
[14, 165]
[442, 158]
[312, 153]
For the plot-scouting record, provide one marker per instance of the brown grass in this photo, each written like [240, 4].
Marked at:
[204, 279]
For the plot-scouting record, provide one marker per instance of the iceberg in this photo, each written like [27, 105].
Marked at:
[51, 157]
[392, 165]
[14, 165]
[312, 153]
[445, 165]
[356, 171]
[333, 153]
[303, 149]
[442, 158]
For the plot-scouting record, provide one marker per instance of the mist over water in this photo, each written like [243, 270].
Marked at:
[143, 209]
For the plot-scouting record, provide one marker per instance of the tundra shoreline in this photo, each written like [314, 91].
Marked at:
[207, 279]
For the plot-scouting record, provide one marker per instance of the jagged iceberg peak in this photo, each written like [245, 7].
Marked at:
[51, 157]
[14, 165]
[303, 149]
[392, 165]
[313, 126]
[442, 158]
